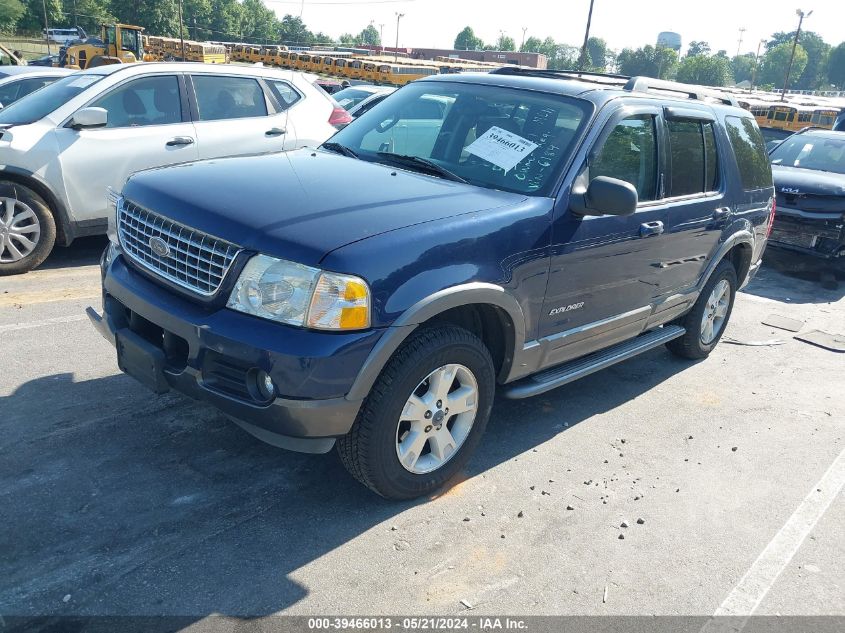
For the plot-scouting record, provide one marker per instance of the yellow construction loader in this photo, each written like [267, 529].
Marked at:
[120, 44]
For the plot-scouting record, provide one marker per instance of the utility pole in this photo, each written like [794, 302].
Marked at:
[742, 30]
[75, 19]
[46, 27]
[756, 64]
[181, 31]
[524, 28]
[801, 15]
[196, 38]
[583, 60]
[381, 36]
[301, 9]
[399, 16]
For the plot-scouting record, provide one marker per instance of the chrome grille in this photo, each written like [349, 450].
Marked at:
[196, 261]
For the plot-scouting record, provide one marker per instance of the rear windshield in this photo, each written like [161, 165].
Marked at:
[348, 98]
[37, 105]
[752, 160]
[490, 136]
[806, 151]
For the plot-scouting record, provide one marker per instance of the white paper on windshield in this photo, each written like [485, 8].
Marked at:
[502, 148]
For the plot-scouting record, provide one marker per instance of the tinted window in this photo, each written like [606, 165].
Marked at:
[711, 159]
[806, 151]
[502, 138]
[15, 90]
[284, 93]
[754, 169]
[630, 153]
[228, 97]
[43, 102]
[147, 101]
[692, 151]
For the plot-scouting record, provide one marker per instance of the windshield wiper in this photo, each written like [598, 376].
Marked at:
[339, 149]
[423, 164]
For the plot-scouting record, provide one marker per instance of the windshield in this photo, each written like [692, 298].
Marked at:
[500, 138]
[821, 153]
[39, 104]
[348, 98]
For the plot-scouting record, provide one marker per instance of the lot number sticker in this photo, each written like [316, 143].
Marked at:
[502, 148]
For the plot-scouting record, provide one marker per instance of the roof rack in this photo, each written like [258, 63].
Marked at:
[631, 84]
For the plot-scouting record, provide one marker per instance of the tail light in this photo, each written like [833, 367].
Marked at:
[339, 117]
[771, 218]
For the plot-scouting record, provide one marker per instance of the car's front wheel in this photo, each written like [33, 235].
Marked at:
[27, 229]
[424, 416]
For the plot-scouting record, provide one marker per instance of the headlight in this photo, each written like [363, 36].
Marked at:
[299, 295]
[113, 199]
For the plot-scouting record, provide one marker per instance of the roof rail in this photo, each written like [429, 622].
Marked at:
[631, 84]
[518, 70]
[644, 84]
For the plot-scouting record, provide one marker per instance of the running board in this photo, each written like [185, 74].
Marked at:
[573, 370]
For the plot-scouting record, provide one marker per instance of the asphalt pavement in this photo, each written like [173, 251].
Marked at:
[727, 472]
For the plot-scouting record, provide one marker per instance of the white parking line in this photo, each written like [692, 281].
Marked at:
[758, 580]
[14, 327]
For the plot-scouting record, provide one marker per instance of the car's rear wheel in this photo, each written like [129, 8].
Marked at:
[424, 416]
[27, 229]
[707, 320]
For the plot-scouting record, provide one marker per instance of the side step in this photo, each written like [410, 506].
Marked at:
[573, 370]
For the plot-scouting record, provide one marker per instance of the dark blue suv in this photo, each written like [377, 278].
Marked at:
[518, 229]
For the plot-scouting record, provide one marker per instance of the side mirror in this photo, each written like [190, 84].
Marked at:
[606, 196]
[89, 118]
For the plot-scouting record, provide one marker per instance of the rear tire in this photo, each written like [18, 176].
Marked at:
[27, 229]
[713, 307]
[406, 442]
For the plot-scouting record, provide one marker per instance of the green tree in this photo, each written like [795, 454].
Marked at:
[32, 20]
[596, 55]
[10, 13]
[817, 50]
[649, 61]
[775, 63]
[698, 48]
[347, 39]
[467, 41]
[369, 36]
[531, 45]
[705, 70]
[742, 67]
[836, 66]
[292, 30]
[505, 43]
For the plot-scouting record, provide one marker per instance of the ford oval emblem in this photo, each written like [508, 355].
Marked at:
[159, 247]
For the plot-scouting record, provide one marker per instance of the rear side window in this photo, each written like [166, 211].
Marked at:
[284, 93]
[692, 148]
[228, 97]
[751, 158]
[630, 154]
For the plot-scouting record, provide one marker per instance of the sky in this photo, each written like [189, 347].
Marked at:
[631, 23]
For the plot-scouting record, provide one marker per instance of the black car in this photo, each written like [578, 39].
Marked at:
[533, 228]
[809, 174]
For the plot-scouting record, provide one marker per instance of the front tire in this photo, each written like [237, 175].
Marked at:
[707, 320]
[27, 229]
[424, 415]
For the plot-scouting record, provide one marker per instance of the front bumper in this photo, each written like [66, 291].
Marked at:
[213, 355]
[819, 235]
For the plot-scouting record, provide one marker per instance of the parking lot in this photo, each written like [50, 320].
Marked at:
[118, 502]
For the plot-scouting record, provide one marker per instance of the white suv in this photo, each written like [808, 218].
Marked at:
[62, 147]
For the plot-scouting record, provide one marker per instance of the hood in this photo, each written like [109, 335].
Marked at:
[807, 181]
[303, 204]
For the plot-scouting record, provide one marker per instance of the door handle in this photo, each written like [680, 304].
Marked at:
[276, 131]
[180, 140]
[651, 228]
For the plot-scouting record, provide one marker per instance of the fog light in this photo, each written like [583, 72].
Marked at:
[265, 385]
